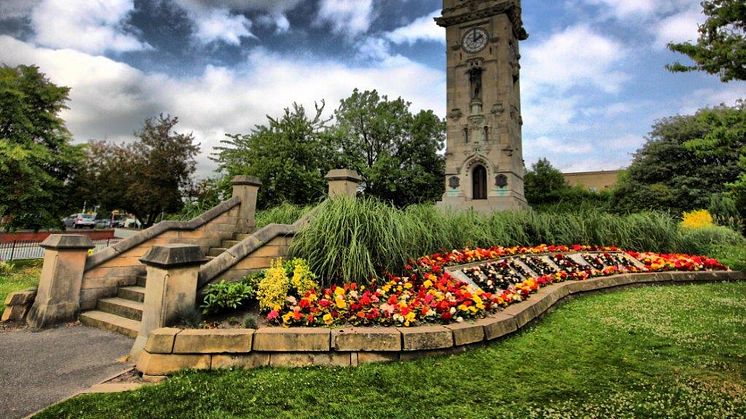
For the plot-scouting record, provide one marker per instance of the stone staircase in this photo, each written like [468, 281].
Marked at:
[122, 314]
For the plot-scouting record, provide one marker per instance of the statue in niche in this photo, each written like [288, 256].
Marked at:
[475, 81]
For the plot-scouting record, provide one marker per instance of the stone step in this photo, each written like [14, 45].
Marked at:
[216, 251]
[141, 280]
[209, 258]
[132, 293]
[240, 237]
[110, 322]
[230, 243]
[121, 307]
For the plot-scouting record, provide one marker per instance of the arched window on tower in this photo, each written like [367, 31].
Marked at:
[479, 182]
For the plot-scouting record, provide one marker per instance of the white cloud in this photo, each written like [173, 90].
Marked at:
[109, 99]
[577, 56]
[635, 10]
[564, 146]
[680, 27]
[220, 25]
[728, 94]
[422, 29]
[223, 20]
[628, 8]
[242, 5]
[625, 142]
[346, 17]
[89, 26]
[277, 20]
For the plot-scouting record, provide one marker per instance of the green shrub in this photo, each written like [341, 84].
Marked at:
[731, 256]
[224, 296]
[190, 317]
[274, 287]
[250, 321]
[701, 241]
[6, 268]
[350, 239]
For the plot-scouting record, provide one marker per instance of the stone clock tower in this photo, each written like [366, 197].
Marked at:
[484, 155]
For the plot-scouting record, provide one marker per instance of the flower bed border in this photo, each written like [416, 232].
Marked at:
[169, 350]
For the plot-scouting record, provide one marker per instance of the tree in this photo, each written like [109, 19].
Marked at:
[721, 46]
[395, 151]
[686, 160]
[544, 183]
[146, 177]
[37, 159]
[290, 155]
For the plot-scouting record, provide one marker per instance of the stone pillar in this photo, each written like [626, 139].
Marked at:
[171, 287]
[58, 296]
[343, 182]
[246, 189]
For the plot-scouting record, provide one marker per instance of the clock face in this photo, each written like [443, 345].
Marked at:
[474, 40]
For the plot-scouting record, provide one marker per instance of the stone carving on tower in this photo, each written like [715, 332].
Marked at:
[484, 153]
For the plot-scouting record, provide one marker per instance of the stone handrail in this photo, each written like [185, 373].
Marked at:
[169, 350]
[226, 260]
[150, 233]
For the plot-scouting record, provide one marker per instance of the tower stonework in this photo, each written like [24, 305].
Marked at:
[484, 154]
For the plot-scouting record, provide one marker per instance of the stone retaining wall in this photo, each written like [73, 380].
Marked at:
[169, 350]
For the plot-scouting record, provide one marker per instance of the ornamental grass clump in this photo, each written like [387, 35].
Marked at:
[282, 214]
[349, 239]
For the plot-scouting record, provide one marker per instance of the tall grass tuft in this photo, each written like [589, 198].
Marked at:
[350, 239]
[282, 214]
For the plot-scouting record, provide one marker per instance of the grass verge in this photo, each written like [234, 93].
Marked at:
[673, 351]
[24, 275]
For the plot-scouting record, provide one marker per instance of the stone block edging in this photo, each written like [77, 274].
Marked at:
[169, 350]
[17, 305]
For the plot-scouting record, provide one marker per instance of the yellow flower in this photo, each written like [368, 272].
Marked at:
[339, 291]
[427, 284]
[341, 303]
[409, 318]
[408, 285]
[328, 319]
[697, 219]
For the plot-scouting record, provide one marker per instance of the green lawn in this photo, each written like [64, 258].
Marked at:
[24, 275]
[671, 351]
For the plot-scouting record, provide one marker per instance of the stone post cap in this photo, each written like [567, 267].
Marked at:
[246, 180]
[344, 174]
[68, 242]
[174, 255]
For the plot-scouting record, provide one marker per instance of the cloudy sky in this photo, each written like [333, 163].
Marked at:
[593, 76]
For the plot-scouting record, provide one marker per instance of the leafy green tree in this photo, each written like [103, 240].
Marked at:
[721, 46]
[686, 160]
[395, 151]
[37, 159]
[290, 155]
[544, 184]
[147, 177]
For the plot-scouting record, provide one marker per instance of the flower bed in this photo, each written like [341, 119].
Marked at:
[427, 293]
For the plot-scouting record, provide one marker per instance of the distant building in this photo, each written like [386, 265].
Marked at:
[594, 181]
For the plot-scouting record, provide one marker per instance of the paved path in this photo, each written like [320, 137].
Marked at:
[38, 369]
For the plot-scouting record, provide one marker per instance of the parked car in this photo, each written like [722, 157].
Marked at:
[80, 220]
[103, 223]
